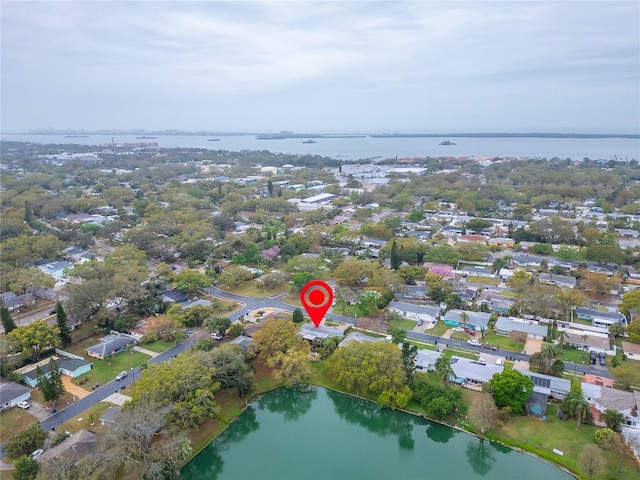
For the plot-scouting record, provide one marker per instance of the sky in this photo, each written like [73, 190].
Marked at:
[322, 66]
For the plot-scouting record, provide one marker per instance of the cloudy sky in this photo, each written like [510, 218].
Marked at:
[341, 66]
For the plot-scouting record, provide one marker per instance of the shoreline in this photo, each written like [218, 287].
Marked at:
[410, 412]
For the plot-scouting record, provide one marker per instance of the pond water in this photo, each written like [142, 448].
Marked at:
[327, 435]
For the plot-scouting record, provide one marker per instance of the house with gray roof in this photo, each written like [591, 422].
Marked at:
[74, 449]
[477, 321]
[600, 318]
[413, 292]
[469, 271]
[546, 384]
[426, 313]
[562, 281]
[111, 344]
[243, 341]
[11, 394]
[506, 325]
[426, 360]
[311, 332]
[471, 373]
[56, 269]
[71, 367]
[603, 398]
[16, 302]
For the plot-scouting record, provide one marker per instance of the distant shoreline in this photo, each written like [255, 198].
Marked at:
[336, 135]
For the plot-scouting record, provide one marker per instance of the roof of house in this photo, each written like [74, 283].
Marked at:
[112, 343]
[592, 339]
[18, 300]
[11, 390]
[174, 295]
[610, 397]
[595, 313]
[242, 340]
[555, 384]
[431, 310]
[70, 364]
[427, 358]
[327, 331]
[473, 370]
[78, 445]
[508, 324]
[480, 319]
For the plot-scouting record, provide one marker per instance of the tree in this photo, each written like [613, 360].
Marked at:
[630, 301]
[34, 338]
[138, 443]
[297, 316]
[597, 283]
[616, 330]
[25, 468]
[437, 400]
[577, 407]
[63, 329]
[294, 368]
[217, 324]
[185, 386]
[235, 330]
[511, 388]
[444, 370]
[7, 321]
[27, 441]
[234, 275]
[371, 368]
[190, 281]
[50, 384]
[231, 369]
[25, 280]
[591, 461]
[620, 449]
[602, 435]
[567, 299]
[397, 333]
[409, 355]
[394, 258]
[626, 376]
[612, 418]
[484, 412]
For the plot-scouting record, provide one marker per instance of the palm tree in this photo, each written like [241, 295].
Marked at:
[549, 352]
[612, 418]
[444, 370]
[578, 407]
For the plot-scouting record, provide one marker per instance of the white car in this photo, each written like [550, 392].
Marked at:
[458, 329]
[123, 374]
[474, 343]
[216, 336]
[24, 405]
[36, 453]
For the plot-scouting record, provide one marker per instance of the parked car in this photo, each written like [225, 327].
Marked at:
[458, 329]
[603, 360]
[36, 453]
[420, 322]
[489, 346]
[470, 332]
[216, 336]
[187, 331]
[593, 357]
[123, 374]
[24, 405]
[474, 343]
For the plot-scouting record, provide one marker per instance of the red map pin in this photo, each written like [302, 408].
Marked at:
[317, 297]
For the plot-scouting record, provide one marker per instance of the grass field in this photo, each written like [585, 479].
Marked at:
[103, 373]
[14, 420]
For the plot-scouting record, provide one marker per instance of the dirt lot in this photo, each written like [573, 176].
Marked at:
[532, 346]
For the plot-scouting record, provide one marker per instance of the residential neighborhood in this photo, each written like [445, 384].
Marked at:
[121, 273]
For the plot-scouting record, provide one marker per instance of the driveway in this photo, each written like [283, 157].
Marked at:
[532, 346]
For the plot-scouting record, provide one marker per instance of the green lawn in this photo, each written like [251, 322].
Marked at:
[574, 355]
[483, 280]
[504, 343]
[160, 345]
[13, 421]
[542, 437]
[405, 324]
[102, 373]
[439, 329]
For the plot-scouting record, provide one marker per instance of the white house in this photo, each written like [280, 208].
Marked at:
[11, 394]
[426, 313]
[506, 325]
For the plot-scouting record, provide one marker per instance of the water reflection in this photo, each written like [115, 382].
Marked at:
[291, 403]
[377, 420]
[440, 433]
[481, 456]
